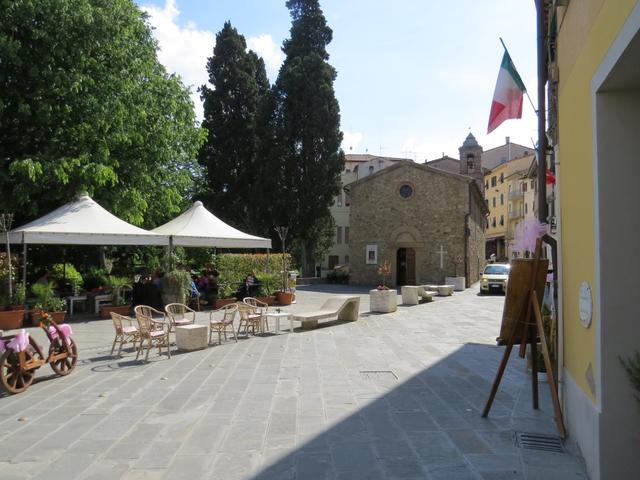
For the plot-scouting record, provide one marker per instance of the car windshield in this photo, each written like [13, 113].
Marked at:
[497, 270]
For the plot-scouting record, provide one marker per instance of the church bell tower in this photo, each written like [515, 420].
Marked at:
[471, 160]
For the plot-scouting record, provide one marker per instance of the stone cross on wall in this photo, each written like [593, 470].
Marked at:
[441, 253]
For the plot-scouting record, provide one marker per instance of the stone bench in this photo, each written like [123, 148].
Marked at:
[440, 290]
[413, 294]
[445, 290]
[191, 337]
[344, 307]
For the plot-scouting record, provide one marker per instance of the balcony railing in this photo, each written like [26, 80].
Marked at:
[516, 214]
[514, 194]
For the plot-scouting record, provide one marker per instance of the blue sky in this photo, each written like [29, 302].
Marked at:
[413, 75]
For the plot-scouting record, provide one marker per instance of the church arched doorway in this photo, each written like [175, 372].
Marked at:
[405, 266]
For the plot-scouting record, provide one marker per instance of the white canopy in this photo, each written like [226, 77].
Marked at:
[198, 227]
[84, 222]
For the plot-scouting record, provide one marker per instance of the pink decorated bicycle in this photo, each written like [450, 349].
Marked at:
[21, 356]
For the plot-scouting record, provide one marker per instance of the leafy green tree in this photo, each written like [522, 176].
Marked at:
[231, 109]
[305, 148]
[86, 106]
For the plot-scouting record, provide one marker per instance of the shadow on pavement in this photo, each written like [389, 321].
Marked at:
[429, 426]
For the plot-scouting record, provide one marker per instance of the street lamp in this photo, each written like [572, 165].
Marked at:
[282, 233]
[6, 219]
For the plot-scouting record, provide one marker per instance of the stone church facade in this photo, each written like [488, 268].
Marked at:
[426, 222]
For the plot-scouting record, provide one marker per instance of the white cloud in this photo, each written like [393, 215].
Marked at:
[183, 50]
[270, 52]
[351, 141]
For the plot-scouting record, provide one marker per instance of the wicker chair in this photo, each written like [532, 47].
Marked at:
[179, 314]
[221, 325]
[126, 331]
[258, 309]
[248, 319]
[153, 333]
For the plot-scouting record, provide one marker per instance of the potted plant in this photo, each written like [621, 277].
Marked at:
[10, 317]
[458, 282]
[176, 285]
[382, 299]
[47, 301]
[267, 282]
[225, 291]
[119, 304]
[19, 297]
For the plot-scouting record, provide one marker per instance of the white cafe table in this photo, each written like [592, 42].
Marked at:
[277, 316]
[73, 299]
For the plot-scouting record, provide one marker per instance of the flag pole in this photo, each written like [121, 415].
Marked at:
[526, 92]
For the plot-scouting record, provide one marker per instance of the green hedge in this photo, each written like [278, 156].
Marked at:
[234, 267]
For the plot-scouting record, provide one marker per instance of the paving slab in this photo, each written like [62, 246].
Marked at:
[390, 396]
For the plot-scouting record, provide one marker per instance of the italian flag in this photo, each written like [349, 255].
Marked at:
[507, 97]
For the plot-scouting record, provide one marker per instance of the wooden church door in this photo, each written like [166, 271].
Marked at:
[406, 266]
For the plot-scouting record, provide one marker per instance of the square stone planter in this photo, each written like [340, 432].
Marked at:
[457, 282]
[383, 301]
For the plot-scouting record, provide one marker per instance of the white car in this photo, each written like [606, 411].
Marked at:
[494, 278]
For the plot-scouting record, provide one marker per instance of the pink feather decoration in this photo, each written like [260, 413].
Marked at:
[527, 233]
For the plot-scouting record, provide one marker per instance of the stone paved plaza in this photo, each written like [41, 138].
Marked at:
[394, 396]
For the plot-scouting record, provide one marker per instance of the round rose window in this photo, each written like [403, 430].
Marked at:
[406, 191]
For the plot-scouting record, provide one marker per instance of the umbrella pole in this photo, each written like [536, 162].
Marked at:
[24, 262]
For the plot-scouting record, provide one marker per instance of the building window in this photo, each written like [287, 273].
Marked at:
[346, 235]
[510, 207]
[471, 162]
[486, 185]
[509, 188]
[502, 199]
[524, 186]
[355, 169]
[501, 220]
[406, 191]
[526, 208]
[333, 261]
[493, 181]
[339, 235]
[347, 200]
[370, 168]
[532, 183]
[346, 259]
[493, 222]
[494, 201]
[502, 177]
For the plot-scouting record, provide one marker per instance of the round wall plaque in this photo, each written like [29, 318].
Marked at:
[585, 304]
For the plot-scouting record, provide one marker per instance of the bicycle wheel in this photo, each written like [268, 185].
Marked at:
[13, 379]
[63, 366]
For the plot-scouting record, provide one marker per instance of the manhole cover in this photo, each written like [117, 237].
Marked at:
[378, 375]
[537, 441]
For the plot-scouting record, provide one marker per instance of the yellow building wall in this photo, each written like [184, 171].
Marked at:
[586, 35]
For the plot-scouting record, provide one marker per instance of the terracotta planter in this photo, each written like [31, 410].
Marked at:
[11, 319]
[58, 317]
[269, 299]
[105, 310]
[224, 301]
[284, 298]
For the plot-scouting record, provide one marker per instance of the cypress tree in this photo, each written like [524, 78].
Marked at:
[307, 159]
[231, 107]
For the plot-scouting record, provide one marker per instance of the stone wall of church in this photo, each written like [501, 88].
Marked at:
[476, 244]
[433, 216]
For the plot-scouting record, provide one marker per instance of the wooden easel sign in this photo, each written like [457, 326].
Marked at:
[522, 324]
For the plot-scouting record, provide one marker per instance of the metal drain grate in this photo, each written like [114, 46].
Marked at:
[537, 441]
[378, 375]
